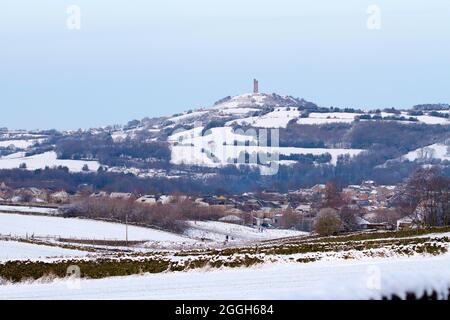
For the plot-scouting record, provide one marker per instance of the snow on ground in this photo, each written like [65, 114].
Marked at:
[20, 144]
[434, 151]
[243, 100]
[279, 118]
[239, 111]
[426, 119]
[187, 116]
[433, 120]
[217, 148]
[214, 135]
[121, 135]
[13, 250]
[44, 226]
[348, 117]
[193, 155]
[328, 117]
[25, 209]
[336, 279]
[217, 231]
[40, 161]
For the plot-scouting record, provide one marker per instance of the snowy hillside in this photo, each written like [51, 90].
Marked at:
[434, 151]
[437, 151]
[256, 100]
[55, 227]
[328, 117]
[47, 159]
[19, 144]
[217, 148]
[13, 250]
[279, 118]
[218, 231]
[217, 136]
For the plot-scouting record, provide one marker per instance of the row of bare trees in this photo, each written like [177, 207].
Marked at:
[170, 216]
[426, 198]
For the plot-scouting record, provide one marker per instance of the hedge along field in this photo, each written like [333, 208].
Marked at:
[123, 265]
[16, 271]
[362, 236]
[310, 247]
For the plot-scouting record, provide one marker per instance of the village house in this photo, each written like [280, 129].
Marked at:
[4, 187]
[60, 197]
[166, 199]
[304, 208]
[201, 203]
[121, 195]
[99, 194]
[274, 197]
[147, 199]
[6, 193]
[232, 219]
[405, 223]
[318, 188]
[30, 195]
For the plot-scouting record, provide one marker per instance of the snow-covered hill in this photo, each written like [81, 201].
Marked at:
[73, 228]
[427, 154]
[46, 159]
[214, 136]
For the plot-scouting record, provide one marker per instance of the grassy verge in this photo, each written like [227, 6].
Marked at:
[16, 271]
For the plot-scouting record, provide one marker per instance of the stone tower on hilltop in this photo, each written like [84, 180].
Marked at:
[255, 86]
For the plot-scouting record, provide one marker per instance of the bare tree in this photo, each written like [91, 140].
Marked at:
[425, 198]
[327, 222]
[333, 197]
[348, 217]
[289, 219]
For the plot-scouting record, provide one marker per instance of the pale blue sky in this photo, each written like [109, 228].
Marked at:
[140, 58]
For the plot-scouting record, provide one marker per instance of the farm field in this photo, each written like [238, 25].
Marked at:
[363, 279]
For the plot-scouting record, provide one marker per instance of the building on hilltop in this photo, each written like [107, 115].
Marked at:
[255, 86]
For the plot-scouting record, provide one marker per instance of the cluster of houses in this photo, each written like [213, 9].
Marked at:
[32, 195]
[265, 209]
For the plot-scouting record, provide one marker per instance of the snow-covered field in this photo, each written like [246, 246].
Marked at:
[43, 226]
[238, 111]
[342, 279]
[187, 116]
[348, 117]
[279, 118]
[20, 144]
[218, 149]
[24, 209]
[434, 151]
[13, 250]
[328, 117]
[217, 231]
[433, 120]
[188, 154]
[243, 100]
[40, 161]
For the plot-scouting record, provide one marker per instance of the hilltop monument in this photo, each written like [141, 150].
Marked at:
[255, 86]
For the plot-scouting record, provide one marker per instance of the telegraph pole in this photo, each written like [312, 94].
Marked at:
[126, 229]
